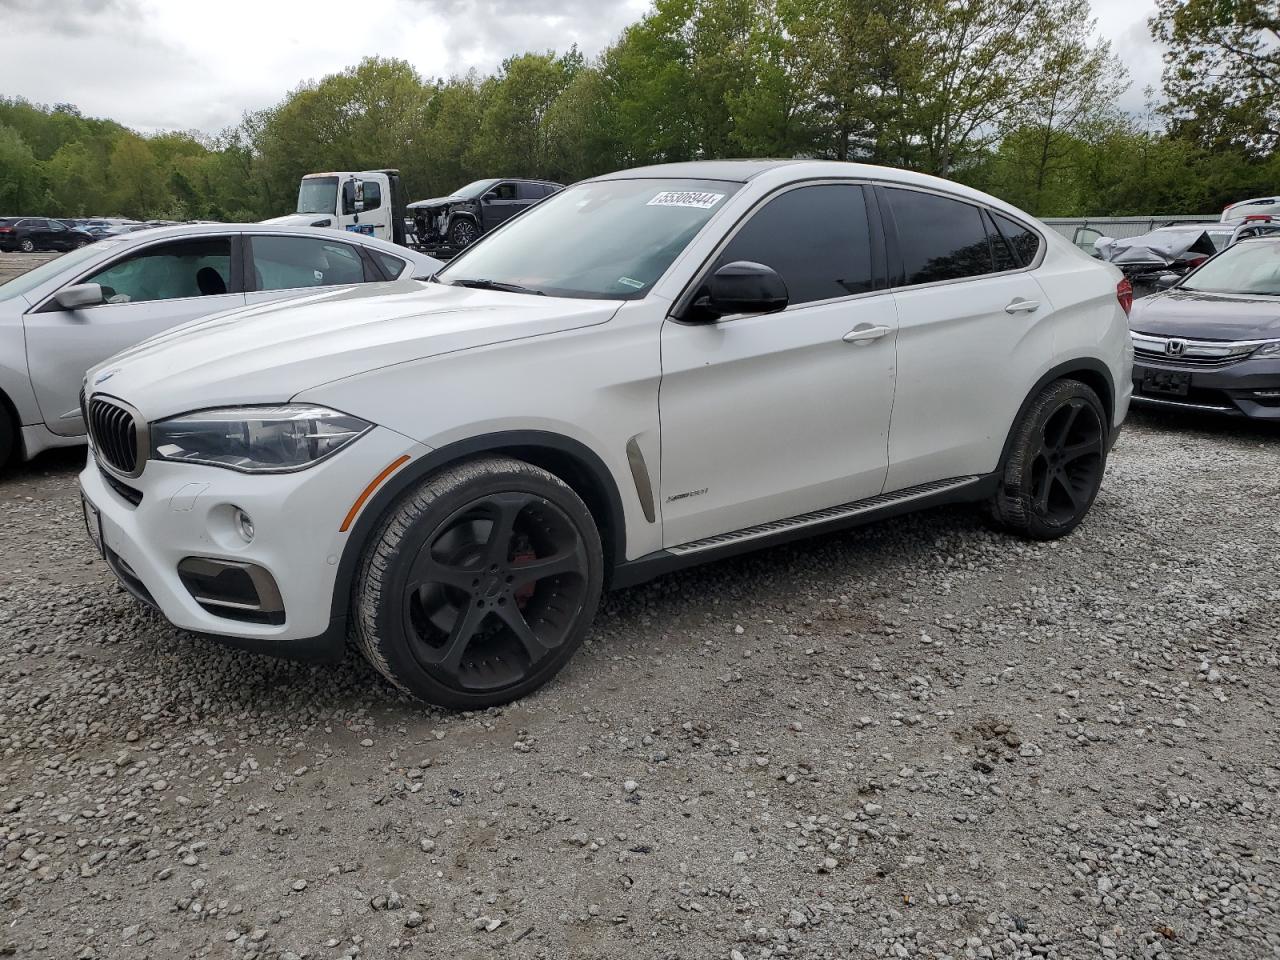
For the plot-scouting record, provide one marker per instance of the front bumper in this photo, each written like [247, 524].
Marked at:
[1246, 388]
[186, 511]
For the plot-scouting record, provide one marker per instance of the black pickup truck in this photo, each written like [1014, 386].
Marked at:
[458, 220]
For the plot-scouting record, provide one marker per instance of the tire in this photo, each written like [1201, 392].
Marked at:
[1056, 463]
[463, 233]
[80, 243]
[27, 245]
[446, 614]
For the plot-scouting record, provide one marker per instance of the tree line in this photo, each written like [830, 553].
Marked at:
[1015, 97]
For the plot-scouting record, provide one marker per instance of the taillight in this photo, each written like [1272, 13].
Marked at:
[1124, 293]
[1195, 262]
[6, 229]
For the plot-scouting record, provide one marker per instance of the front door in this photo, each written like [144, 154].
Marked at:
[148, 291]
[500, 204]
[772, 416]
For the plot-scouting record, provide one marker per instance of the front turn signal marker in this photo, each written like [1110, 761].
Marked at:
[365, 494]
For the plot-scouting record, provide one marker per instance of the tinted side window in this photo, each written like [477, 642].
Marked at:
[940, 238]
[817, 238]
[1025, 243]
[530, 191]
[169, 271]
[288, 263]
[391, 265]
[1001, 252]
[505, 191]
[372, 195]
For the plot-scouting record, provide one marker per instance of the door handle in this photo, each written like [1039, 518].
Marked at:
[865, 333]
[1022, 306]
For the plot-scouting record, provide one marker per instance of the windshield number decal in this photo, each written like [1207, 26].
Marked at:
[686, 198]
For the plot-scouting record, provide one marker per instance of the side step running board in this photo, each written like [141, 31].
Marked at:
[842, 512]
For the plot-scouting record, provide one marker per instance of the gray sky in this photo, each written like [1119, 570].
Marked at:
[175, 64]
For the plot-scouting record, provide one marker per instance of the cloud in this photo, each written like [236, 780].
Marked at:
[482, 33]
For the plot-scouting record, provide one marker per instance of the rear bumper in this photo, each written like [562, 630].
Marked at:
[1249, 388]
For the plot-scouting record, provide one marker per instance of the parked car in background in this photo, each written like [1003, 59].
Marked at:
[1211, 342]
[460, 219]
[29, 234]
[62, 317]
[455, 471]
[1257, 205]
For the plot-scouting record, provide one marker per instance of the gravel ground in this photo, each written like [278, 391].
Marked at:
[919, 739]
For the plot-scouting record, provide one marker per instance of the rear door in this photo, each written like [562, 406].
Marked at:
[973, 322]
[284, 266]
[148, 291]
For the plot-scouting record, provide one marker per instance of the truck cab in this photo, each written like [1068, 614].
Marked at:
[368, 202]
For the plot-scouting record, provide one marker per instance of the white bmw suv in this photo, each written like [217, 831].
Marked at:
[652, 368]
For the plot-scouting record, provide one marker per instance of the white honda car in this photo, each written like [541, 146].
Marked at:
[652, 368]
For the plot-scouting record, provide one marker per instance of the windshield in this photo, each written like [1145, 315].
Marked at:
[474, 189]
[609, 240]
[318, 195]
[1248, 267]
[33, 278]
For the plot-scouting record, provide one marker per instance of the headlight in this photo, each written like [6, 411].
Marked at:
[256, 439]
[1271, 349]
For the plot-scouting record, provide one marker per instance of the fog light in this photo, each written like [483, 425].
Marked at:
[244, 525]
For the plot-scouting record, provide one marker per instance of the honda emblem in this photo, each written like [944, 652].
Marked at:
[1175, 348]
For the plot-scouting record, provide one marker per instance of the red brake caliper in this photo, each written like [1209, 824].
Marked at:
[524, 555]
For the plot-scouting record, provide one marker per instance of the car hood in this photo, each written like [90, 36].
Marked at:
[272, 352]
[1207, 316]
[303, 220]
[435, 202]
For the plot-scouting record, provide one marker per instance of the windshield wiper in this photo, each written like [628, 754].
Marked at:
[481, 284]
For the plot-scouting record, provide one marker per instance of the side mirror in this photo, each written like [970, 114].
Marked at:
[1166, 280]
[741, 287]
[489, 197]
[350, 201]
[80, 295]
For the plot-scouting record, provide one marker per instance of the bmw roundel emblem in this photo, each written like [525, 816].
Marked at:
[105, 376]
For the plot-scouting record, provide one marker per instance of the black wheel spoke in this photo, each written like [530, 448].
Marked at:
[1064, 484]
[1074, 451]
[531, 571]
[427, 569]
[470, 619]
[513, 617]
[507, 508]
[1042, 495]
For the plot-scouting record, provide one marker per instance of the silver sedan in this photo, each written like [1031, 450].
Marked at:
[67, 315]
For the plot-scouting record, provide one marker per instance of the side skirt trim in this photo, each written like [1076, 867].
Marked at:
[844, 511]
[909, 500]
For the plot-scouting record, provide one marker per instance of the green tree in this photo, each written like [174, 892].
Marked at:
[137, 188]
[20, 183]
[1222, 70]
[76, 186]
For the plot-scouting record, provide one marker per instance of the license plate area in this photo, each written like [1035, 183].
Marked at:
[1173, 383]
[92, 523]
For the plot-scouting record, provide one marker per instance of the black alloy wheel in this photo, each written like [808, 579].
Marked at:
[463, 233]
[1067, 462]
[492, 592]
[1056, 462]
[481, 585]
